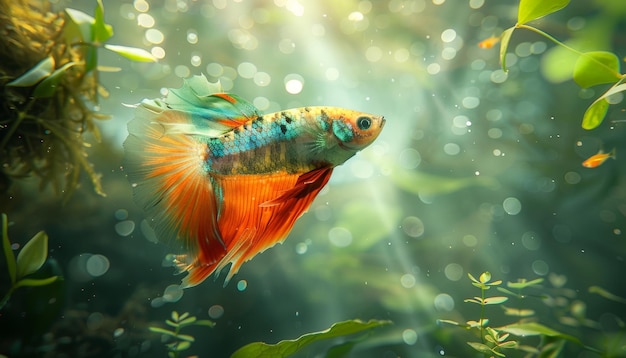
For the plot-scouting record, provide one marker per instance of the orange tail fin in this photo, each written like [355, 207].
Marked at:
[166, 167]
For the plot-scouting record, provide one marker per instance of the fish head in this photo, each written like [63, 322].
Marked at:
[355, 130]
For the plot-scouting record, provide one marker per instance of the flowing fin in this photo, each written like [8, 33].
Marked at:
[307, 182]
[170, 181]
[206, 101]
[248, 225]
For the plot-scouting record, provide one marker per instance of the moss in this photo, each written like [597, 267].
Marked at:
[43, 135]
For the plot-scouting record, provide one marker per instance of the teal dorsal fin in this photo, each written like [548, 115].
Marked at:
[212, 111]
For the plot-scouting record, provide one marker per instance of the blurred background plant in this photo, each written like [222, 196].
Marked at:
[173, 338]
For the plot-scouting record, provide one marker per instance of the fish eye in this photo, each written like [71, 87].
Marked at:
[364, 123]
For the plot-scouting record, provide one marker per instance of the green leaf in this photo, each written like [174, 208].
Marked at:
[80, 24]
[480, 347]
[32, 255]
[594, 115]
[504, 45]
[205, 322]
[522, 283]
[606, 294]
[595, 68]
[179, 346]
[476, 324]
[40, 71]
[162, 331]
[508, 344]
[485, 277]
[47, 87]
[476, 300]
[518, 312]
[172, 323]
[530, 10]
[187, 321]
[186, 337]
[535, 329]
[32, 282]
[175, 316]
[286, 348]
[101, 30]
[447, 321]
[132, 53]
[495, 300]
[8, 251]
[472, 277]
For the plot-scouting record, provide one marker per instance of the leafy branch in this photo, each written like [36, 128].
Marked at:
[591, 69]
[496, 339]
[180, 341]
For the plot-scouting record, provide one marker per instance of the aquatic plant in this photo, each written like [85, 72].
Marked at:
[180, 342]
[288, 347]
[30, 259]
[50, 88]
[591, 68]
[495, 339]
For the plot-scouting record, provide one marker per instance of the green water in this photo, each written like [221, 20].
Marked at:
[476, 170]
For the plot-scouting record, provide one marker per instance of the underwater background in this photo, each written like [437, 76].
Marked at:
[477, 172]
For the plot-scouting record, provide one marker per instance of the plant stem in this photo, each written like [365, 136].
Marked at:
[482, 315]
[551, 38]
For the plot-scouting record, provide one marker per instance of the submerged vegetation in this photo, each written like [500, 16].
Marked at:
[497, 340]
[49, 79]
[29, 260]
[174, 340]
[477, 171]
[590, 68]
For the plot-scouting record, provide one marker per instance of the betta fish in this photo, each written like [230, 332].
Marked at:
[227, 182]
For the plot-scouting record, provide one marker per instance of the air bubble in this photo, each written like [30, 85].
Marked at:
[340, 237]
[262, 79]
[540, 267]
[216, 311]
[451, 149]
[242, 285]
[173, 293]
[409, 336]
[154, 36]
[332, 74]
[453, 272]
[246, 70]
[294, 83]
[373, 53]
[192, 36]
[413, 226]
[407, 280]
[531, 241]
[512, 206]
[125, 228]
[448, 35]
[97, 265]
[444, 302]
[145, 20]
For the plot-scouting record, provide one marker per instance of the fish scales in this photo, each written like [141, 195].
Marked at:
[268, 144]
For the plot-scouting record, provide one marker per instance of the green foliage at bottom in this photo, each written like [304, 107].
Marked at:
[289, 347]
